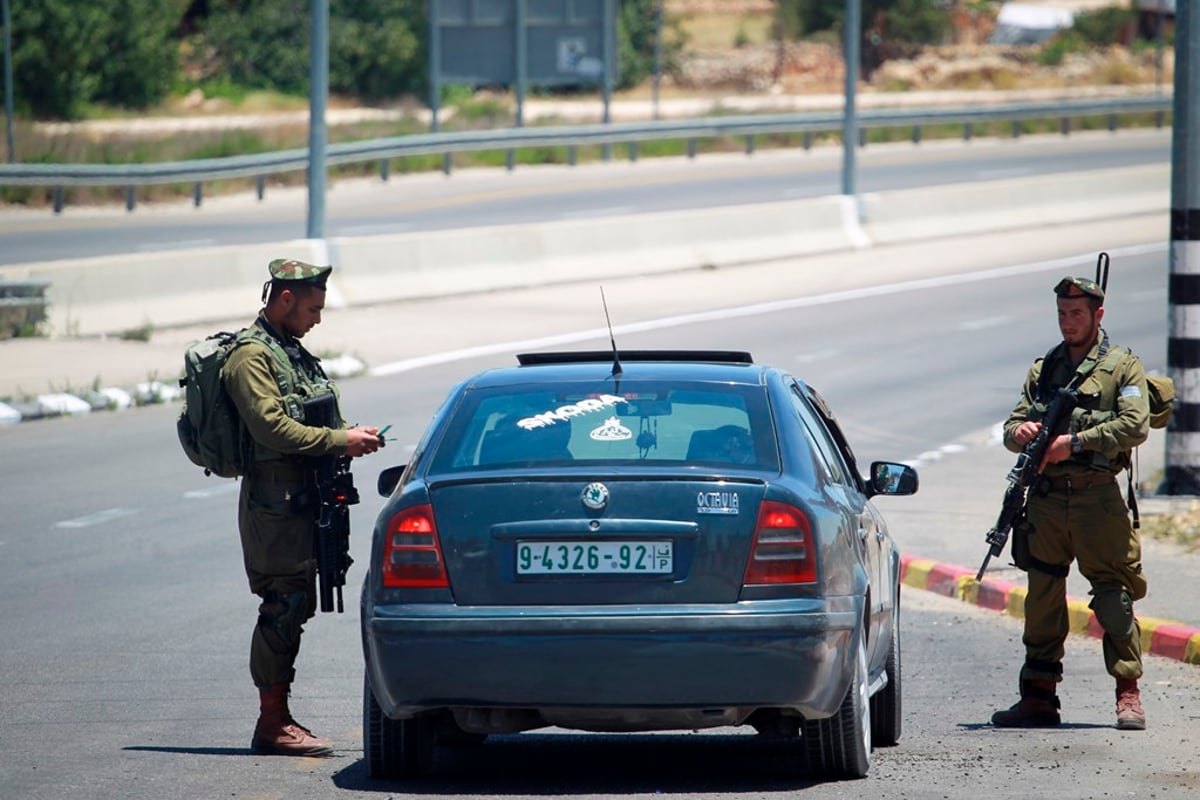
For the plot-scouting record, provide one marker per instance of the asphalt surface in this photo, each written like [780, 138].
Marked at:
[943, 525]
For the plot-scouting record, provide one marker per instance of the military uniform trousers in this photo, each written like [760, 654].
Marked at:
[277, 546]
[1091, 526]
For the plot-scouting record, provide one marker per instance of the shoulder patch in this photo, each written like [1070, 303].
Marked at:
[1130, 391]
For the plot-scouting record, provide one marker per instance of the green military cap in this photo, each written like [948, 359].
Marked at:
[1078, 287]
[288, 269]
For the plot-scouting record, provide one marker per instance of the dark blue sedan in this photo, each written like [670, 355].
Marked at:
[650, 540]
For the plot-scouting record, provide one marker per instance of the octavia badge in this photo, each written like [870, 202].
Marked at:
[595, 496]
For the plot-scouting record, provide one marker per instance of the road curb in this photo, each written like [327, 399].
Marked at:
[1160, 637]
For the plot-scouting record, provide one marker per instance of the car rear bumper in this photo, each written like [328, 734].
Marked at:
[792, 654]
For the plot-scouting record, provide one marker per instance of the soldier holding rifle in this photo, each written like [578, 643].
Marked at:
[270, 379]
[1075, 511]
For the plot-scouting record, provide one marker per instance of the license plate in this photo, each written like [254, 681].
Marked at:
[594, 558]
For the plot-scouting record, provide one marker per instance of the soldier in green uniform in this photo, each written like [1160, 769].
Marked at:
[1080, 514]
[268, 378]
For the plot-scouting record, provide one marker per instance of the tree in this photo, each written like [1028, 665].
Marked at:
[141, 62]
[377, 47]
[636, 24]
[261, 44]
[57, 48]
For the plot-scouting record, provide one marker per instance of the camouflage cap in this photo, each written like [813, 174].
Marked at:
[1078, 287]
[288, 269]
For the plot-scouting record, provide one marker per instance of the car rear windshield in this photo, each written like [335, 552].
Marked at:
[675, 424]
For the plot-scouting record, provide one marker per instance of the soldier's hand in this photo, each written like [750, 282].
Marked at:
[1026, 431]
[361, 441]
[1059, 450]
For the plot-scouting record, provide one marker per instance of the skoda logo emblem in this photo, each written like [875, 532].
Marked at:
[595, 496]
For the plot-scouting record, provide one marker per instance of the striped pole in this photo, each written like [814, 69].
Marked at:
[1183, 346]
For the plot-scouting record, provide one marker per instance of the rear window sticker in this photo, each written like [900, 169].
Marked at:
[564, 413]
[611, 431]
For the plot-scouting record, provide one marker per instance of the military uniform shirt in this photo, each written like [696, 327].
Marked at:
[250, 381]
[1106, 434]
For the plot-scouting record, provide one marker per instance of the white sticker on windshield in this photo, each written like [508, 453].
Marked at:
[611, 431]
[589, 405]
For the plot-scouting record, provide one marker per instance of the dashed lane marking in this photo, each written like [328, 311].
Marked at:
[100, 517]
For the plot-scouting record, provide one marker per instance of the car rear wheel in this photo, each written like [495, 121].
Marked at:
[395, 748]
[840, 747]
[886, 704]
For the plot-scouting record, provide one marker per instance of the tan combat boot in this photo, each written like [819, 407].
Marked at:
[1037, 708]
[277, 734]
[1130, 716]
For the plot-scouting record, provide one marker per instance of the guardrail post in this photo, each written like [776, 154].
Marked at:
[447, 164]
[1112, 123]
[1016, 129]
[1159, 119]
[58, 199]
[197, 194]
[384, 168]
[862, 137]
[1065, 126]
[22, 305]
[916, 134]
[691, 148]
[808, 140]
[260, 186]
[130, 198]
[750, 144]
[633, 151]
[510, 159]
[572, 154]
[968, 131]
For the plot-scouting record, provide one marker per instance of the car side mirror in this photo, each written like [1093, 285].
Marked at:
[388, 480]
[888, 477]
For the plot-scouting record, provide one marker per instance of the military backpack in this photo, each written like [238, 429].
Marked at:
[210, 430]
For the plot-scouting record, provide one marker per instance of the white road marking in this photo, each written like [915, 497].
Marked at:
[922, 284]
[818, 355]
[588, 213]
[98, 518]
[215, 491]
[180, 245]
[984, 324]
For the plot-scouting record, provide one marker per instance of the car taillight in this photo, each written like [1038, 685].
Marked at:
[412, 555]
[783, 550]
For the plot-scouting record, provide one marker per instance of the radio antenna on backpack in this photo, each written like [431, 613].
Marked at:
[611, 338]
[1102, 271]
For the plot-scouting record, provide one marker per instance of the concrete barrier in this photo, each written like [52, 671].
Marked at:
[112, 294]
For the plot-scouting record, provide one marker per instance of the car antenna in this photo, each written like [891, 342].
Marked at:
[1102, 271]
[611, 338]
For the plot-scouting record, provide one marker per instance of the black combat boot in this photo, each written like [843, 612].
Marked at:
[1037, 708]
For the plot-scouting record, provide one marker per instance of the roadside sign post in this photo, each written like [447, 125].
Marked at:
[8, 81]
[851, 36]
[1183, 296]
[318, 92]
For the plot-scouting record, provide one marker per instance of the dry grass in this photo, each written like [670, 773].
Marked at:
[1180, 527]
[726, 31]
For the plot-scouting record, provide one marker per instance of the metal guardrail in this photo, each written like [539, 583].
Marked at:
[199, 171]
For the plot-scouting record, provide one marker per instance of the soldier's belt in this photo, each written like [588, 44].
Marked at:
[1077, 483]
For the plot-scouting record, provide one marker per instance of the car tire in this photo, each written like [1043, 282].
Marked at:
[887, 704]
[840, 746]
[395, 748]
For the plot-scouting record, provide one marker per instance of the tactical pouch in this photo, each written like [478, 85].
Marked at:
[1021, 532]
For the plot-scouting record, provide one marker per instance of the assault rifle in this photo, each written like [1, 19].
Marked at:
[334, 493]
[1026, 472]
